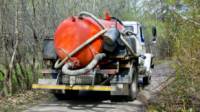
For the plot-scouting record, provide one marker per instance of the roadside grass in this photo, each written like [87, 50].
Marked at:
[23, 100]
[22, 95]
[1, 77]
[179, 96]
[22, 77]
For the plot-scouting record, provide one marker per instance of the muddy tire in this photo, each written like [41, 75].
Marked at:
[133, 91]
[133, 87]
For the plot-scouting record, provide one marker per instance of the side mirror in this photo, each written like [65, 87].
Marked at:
[154, 33]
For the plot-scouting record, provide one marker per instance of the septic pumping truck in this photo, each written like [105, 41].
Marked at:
[92, 54]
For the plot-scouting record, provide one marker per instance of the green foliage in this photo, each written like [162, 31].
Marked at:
[183, 29]
[171, 2]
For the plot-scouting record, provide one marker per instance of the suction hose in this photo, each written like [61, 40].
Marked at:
[66, 68]
[59, 63]
[81, 14]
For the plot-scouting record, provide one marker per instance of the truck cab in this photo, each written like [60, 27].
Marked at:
[137, 29]
[145, 59]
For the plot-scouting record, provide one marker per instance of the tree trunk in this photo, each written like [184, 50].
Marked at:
[8, 76]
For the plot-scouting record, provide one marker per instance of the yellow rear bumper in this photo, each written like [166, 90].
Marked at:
[75, 87]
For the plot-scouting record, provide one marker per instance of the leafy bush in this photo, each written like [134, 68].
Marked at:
[184, 93]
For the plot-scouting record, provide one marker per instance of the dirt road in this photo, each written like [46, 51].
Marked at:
[98, 102]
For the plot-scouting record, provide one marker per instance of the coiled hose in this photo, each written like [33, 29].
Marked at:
[66, 68]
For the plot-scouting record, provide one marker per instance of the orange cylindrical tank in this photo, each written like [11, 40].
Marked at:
[73, 32]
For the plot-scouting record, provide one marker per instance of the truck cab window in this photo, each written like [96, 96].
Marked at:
[129, 28]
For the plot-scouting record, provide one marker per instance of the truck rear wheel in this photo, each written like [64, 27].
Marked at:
[133, 90]
[133, 87]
